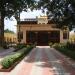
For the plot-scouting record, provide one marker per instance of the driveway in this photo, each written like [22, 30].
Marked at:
[43, 60]
[6, 52]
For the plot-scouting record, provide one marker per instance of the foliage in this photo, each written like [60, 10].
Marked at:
[50, 44]
[5, 46]
[67, 52]
[19, 46]
[70, 46]
[8, 31]
[61, 11]
[67, 49]
[8, 61]
[55, 45]
[10, 8]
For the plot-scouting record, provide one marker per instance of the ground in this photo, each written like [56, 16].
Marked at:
[5, 52]
[43, 60]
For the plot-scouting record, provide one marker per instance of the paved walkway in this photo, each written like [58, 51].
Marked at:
[43, 61]
[6, 52]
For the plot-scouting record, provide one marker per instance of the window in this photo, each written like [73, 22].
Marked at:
[54, 34]
[20, 35]
[65, 35]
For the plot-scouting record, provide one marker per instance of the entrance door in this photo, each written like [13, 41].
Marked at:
[30, 37]
[42, 38]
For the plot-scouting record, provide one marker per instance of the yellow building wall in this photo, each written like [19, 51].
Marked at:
[72, 38]
[10, 37]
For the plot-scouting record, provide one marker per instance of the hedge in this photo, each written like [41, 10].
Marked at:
[8, 61]
[19, 46]
[68, 52]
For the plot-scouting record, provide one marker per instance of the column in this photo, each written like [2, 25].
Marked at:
[61, 36]
[36, 36]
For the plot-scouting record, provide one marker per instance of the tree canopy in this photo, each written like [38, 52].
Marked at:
[8, 31]
[12, 7]
[61, 11]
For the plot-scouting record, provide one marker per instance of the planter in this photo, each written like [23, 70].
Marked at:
[10, 68]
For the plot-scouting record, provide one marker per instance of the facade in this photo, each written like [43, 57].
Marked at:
[10, 38]
[72, 36]
[41, 31]
[0, 25]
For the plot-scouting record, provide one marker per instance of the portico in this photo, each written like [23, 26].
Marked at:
[35, 31]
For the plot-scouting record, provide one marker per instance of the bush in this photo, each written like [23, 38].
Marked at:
[5, 46]
[66, 49]
[19, 46]
[70, 46]
[50, 44]
[8, 61]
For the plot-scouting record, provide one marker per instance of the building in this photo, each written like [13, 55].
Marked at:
[72, 36]
[0, 28]
[41, 31]
[10, 38]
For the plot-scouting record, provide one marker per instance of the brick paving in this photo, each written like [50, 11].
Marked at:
[43, 61]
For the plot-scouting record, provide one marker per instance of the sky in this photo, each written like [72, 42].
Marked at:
[11, 24]
[72, 32]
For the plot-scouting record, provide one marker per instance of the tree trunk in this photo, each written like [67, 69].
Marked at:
[2, 29]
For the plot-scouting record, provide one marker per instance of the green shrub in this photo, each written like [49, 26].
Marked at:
[66, 51]
[5, 46]
[56, 45]
[50, 44]
[70, 46]
[19, 46]
[8, 61]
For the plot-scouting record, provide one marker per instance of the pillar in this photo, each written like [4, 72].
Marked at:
[61, 36]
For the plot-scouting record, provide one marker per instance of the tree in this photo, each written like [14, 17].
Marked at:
[61, 11]
[8, 31]
[12, 7]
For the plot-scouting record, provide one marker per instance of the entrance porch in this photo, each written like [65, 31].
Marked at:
[42, 37]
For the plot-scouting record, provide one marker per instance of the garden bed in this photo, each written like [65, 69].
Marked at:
[11, 67]
[66, 49]
[9, 62]
[67, 52]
